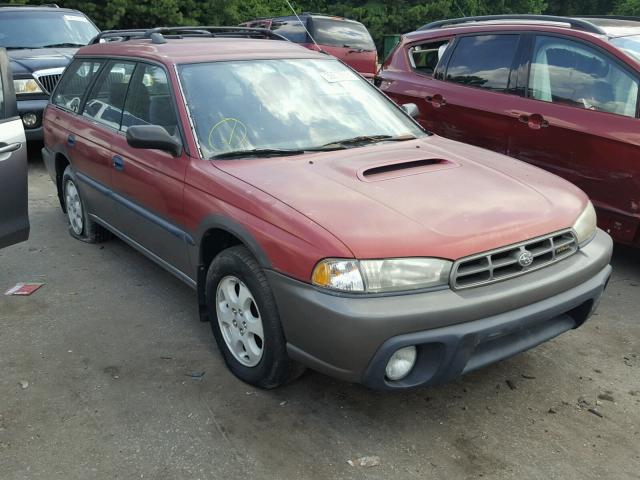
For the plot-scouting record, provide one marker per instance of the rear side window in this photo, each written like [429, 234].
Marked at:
[293, 30]
[483, 61]
[341, 33]
[571, 73]
[424, 58]
[74, 84]
[106, 100]
[149, 100]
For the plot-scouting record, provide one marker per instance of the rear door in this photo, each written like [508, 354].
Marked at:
[473, 104]
[579, 120]
[463, 87]
[14, 216]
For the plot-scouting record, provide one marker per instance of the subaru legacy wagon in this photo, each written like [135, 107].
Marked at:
[320, 225]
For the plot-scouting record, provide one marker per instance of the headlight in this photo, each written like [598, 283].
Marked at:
[26, 85]
[585, 226]
[378, 276]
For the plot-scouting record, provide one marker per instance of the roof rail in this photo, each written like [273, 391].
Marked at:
[160, 34]
[610, 17]
[50, 5]
[576, 23]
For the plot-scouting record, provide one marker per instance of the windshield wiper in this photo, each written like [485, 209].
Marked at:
[256, 152]
[366, 139]
[63, 45]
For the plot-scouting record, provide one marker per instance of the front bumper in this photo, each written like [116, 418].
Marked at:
[36, 106]
[352, 338]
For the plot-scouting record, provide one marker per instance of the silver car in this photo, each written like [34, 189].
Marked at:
[14, 216]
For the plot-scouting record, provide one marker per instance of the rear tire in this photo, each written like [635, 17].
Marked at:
[80, 225]
[245, 321]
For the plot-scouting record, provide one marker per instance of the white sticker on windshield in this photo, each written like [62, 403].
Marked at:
[76, 18]
[335, 77]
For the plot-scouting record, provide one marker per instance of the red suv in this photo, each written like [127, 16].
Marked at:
[319, 224]
[348, 40]
[560, 93]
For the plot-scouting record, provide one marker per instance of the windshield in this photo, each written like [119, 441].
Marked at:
[37, 29]
[340, 33]
[630, 45]
[285, 105]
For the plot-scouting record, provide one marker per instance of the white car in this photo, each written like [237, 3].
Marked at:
[14, 215]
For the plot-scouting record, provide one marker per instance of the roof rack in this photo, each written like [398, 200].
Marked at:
[50, 5]
[159, 35]
[576, 23]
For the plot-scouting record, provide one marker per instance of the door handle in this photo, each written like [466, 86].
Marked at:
[118, 162]
[12, 147]
[534, 122]
[436, 100]
[71, 140]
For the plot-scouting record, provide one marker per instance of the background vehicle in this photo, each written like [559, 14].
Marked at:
[345, 39]
[560, 93]
[320, 225]
[40, 42]
[14, 217]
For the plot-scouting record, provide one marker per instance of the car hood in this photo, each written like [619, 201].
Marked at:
[428, 197]
[28, 60]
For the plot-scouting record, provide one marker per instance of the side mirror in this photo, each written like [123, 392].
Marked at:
[411, 109]
[153, 137]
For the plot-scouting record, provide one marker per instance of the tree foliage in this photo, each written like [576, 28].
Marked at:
[380, 16]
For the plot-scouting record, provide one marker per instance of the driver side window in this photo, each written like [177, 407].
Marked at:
[74, 84]
[573, 74]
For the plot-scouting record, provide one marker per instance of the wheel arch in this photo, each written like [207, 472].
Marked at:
[216, 234]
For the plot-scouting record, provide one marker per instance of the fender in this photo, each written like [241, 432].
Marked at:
[220, 222]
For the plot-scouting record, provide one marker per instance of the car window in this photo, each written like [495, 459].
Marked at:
[630, 45]
[483, 61]
[341, 33]
[28, 28]
[107, 97]
[293, 30]
[74, 84]
[149, 100]
[424, 58]
[285, 104]
[570, 73]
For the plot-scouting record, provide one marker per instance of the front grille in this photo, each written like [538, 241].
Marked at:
[49, 82]
[512, 261]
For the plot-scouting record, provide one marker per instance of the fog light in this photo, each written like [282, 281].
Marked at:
[401, 363]
[30, 120]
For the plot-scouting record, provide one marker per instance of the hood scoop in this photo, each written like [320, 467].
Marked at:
[404, 168]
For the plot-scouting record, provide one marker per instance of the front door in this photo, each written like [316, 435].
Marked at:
[14, 215]
[579, 121]
[150, 183]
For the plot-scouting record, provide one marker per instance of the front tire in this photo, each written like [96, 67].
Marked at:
[245, 321]
[80, 225]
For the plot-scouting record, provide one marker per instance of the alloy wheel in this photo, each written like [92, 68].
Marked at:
[240, 321]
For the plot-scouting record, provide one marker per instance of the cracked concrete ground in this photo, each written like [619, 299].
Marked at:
[107, 345]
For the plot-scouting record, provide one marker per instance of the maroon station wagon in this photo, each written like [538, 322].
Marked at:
[319, 223]
[560, 93]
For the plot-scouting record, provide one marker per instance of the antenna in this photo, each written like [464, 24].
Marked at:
[305, 27]
[458, 5]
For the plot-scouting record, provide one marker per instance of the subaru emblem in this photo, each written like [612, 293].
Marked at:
[525, 259]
